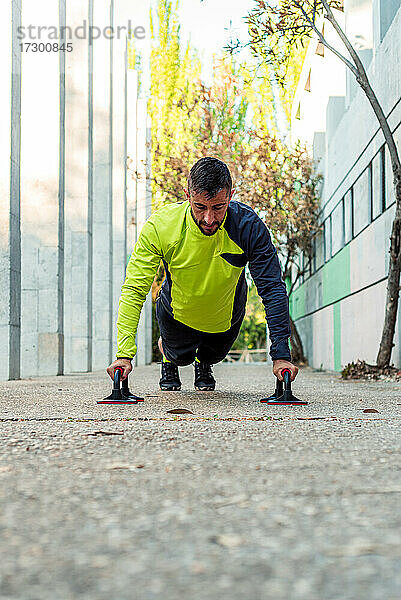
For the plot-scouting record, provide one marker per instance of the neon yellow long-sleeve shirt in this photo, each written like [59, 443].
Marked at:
[205, 285]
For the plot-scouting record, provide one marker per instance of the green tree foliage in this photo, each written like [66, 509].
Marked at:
[268, 98]
[280, 33]
[215, 124]
[174, 79]
[283, 189]
[252, 334]
[261, 95]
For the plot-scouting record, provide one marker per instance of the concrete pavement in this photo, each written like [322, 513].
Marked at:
[235, 501]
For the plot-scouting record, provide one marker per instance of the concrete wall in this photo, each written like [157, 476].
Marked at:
[102, 194]
[63, 212]
[339, 309]
[10, 233]
[39, 175]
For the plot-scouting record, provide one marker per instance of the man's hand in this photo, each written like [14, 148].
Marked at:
[125, 363]
[280, 364]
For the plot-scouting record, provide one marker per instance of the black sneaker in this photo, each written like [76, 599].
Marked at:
[204, 380]
[170, 378]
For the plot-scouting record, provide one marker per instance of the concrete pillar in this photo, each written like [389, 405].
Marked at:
[143, 211]
[125, 198]
[61, 187]
[10, 235]
[119, 112]
[139, 199]
[319, 145]
[385, 11]
[359, 29]
[40, 110]
[77, 226]
[334, 113]
[102, 191]
[132, 141]
[376, 24]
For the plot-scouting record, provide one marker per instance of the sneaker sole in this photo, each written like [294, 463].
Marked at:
[206, 388]
[170, 389]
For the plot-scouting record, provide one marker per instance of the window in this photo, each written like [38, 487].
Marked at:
[313, 257]
[362, 202]
[348, 216]
[307, 84]
[301, 267]
[378, 184]
[318, 250]
[337, 227]
[327, 239]
[383, 176]
[388, 10]
[320, 46]
[370, 191]
[390, 195]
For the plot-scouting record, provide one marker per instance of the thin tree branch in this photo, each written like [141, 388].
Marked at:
[323, 39]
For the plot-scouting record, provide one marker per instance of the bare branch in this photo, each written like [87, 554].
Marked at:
[323, 39]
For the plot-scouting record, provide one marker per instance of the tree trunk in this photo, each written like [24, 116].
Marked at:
[393, 282]
[297, 349]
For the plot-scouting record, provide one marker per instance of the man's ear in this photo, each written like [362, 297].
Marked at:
[187, 194]
[232, 193]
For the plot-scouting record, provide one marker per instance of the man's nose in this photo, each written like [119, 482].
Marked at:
[209, 217]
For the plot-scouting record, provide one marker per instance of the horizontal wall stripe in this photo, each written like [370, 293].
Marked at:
[336, 277]
[308, 277]
[366, 287]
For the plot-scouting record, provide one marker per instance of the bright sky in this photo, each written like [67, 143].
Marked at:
[211, 24]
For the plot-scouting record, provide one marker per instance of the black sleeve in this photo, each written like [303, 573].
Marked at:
[265, 269]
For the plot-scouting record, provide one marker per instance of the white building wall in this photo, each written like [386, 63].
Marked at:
[327, 78]
[352, 165]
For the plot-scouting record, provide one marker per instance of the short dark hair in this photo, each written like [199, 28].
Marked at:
[209, 175]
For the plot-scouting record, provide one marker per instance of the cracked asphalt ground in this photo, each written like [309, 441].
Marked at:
[235, 501]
